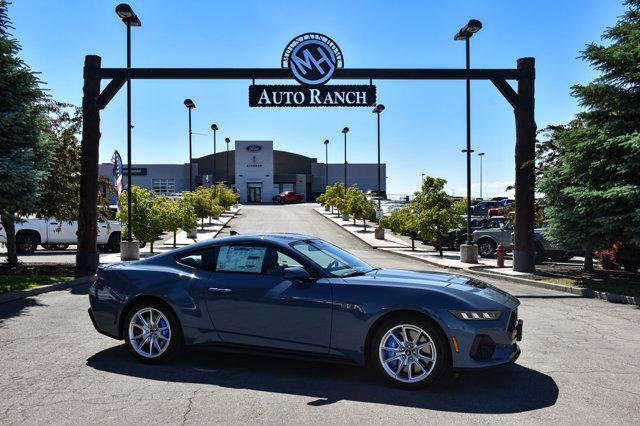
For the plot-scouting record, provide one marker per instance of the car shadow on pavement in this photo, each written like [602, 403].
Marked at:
[511, 389]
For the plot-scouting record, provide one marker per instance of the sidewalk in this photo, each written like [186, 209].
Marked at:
[485, 267]
[210, 231]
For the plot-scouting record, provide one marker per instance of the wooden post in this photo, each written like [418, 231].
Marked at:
[524, 245]
[87, 255]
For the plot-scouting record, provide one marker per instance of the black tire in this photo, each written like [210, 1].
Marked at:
[113, 244]
[487, 248]
[540, 255]
[442, 353]
[175, 337]
[27, 242]
[142, 244]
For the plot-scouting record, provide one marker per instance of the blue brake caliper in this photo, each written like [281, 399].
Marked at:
[165, 333]
[391, 343]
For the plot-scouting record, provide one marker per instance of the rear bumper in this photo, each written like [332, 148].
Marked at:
[98, 329]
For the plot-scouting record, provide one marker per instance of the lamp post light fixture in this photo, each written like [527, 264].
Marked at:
[214, 127]
[190, 105]
[130, 19]
[344, 132]
[422, 179]
[481, 154]
[228, 141]
[468, 251]
[379, 231]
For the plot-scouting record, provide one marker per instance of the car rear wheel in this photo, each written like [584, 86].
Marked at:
[486, 248]
[152, 333]
[409, 352]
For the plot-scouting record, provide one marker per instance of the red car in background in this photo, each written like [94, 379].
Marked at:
[288, 197]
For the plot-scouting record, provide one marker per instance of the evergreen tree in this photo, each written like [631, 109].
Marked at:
[592, 184]
[23, 148]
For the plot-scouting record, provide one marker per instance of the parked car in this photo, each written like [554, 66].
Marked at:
[452, 239]
[288, 197]
[495, 231]
[52, 234]
[483, 207]
[289, 293]
[545, 249]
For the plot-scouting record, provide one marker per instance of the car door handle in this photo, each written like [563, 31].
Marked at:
[220, 290]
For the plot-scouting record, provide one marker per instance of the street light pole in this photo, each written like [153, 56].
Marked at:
[326, 163]
[190, 105]
[465, 33]
[379, 232]
[214, 127]
[481, 154]
[344, 132]
[228, 141]
[130, 19]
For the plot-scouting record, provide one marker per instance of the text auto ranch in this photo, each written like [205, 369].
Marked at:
[310, 96]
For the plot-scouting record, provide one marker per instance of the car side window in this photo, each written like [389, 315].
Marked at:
[245, 259]
[199, 259]
[275, 262]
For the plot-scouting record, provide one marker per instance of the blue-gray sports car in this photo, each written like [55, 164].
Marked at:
[296, 294]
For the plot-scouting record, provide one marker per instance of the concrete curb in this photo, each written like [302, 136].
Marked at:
[478, 270]
[16, 295]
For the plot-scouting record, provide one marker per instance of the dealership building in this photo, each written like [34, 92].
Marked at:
[257, 170]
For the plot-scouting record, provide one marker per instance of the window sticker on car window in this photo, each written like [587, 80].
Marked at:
[240, 259]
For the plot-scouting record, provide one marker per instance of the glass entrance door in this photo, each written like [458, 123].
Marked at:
[254, 192]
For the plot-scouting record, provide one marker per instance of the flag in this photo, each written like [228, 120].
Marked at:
[116, 160]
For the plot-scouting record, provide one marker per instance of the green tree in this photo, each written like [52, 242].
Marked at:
[60, 188]
[146, 214]
[224, 196]
[403, 221]
[24, 149]
[201, 202]
[354, 200]
[435, 211]
[593, 188]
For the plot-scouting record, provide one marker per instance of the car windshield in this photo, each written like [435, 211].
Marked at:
[332, 259]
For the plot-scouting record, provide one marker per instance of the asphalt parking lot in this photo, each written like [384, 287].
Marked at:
[579, 364]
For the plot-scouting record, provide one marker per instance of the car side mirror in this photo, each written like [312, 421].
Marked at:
[296, 273]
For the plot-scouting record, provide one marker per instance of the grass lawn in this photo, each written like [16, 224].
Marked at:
[21, 282]
[624, 287]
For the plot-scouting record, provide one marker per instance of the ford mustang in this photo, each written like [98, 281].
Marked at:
[298, 295]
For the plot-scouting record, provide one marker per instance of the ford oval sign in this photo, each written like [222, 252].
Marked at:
[254, 148]
[312, 58]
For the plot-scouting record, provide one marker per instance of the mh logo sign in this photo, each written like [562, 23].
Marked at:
[312, 58]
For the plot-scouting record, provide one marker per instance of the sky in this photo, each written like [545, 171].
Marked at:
[423, 125]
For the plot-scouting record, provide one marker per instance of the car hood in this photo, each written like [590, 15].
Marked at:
[465, 288]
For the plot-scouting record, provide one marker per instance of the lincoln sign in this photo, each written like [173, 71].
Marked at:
[312, 59]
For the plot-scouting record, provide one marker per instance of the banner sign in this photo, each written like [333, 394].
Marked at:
[116, 160]
[312, 59]
[305, 96]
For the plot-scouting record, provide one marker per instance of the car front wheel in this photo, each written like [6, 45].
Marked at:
[409, 352]
[152, 333]
[486, 248]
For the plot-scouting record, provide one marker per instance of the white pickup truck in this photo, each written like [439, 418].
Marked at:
[52, 234]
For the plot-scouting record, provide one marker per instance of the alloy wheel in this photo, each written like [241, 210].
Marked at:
[407, 353]
[149, 332]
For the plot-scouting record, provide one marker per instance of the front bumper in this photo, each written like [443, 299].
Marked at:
[481, 345]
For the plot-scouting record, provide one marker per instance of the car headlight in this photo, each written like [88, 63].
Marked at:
[477, 315]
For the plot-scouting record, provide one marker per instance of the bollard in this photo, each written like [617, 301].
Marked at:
[500, 255]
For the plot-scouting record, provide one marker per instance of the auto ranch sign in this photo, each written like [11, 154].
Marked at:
[312, 59]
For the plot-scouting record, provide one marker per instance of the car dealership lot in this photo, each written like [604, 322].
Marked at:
[579, 363]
